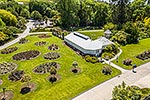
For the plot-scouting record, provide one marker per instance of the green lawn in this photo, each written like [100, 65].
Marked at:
[93, 34]
[68, 87]
[132, 50]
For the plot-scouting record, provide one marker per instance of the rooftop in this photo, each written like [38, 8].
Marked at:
[86, 43]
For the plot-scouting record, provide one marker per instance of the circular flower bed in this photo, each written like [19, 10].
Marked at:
[53, 47]
[15, 76]
[8, 95]
[27, 55]
[42, 43]
[45, 67]
[29, 87]
[51, 55]
[7, 67]
[53, 78]
[44, 36]
[23, 41]
[75, 70]
[8, 50]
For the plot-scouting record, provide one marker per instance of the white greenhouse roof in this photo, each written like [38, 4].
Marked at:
[86, 43]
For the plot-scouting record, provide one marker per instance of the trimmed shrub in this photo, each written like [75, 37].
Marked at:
[107, 70]
[127, 62]
[91, 59]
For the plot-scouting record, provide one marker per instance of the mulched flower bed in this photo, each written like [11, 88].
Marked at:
[44, 36]
[42, 43]
[15, 76]
[8, 95]
[53, 78]
[75, 70]
[144, 56]
[7, 67]
[29, 87]
[9, 50]
[53, 47]
[51, 55]
[27, 55]
[23, 41]
[127, 62]
[45, 67]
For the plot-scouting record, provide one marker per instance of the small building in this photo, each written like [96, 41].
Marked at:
[85, 45]
[107, 33]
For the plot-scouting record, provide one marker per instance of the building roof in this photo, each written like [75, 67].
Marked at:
[107, 31]
[86, 43]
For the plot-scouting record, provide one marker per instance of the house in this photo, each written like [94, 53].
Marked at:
[85, 45]
[107, 33]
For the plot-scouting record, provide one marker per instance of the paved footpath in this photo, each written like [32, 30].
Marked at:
[22, 35]
[104, 90]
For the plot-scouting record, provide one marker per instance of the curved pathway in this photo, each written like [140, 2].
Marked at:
[22, 35]
[104, 91]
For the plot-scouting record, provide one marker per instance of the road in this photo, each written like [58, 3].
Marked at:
[22, 35]
[104, 90]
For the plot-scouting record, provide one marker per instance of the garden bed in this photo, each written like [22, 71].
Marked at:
[27, 55]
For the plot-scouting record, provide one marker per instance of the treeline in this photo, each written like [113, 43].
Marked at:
[129, 21]
[12, 20]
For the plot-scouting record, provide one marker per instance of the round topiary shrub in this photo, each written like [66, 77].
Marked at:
[44, 36]
[23, 41]
[7, 67]
[127, 62]
[107, 70]
[15, 76]
[49, 67]
[27, 55]
[25, 90]
[8, 50]
[51, 55]
[53, 78]
[42, 43]
[53, 47]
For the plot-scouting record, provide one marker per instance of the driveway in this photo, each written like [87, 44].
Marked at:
[104, 90]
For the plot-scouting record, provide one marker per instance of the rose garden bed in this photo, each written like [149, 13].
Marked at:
[42, 43]
[51, 55]
[44, 36]
[53, 47]
[45, 67]
[7, 67]
[8, 50]
[144, 56]
[15, 76]
[23, 41]
[29, 87]
[27, 55]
